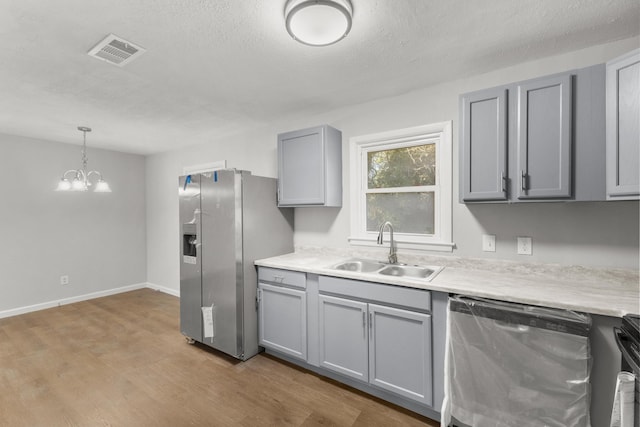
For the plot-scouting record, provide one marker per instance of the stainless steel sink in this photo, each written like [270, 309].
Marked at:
[406, 270]
[359, 265]
[386, 269]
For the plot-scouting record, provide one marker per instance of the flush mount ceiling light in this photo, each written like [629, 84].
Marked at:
[318, 22]
[81, 177]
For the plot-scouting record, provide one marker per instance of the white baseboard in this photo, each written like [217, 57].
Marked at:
[174, 292]
[99, 294]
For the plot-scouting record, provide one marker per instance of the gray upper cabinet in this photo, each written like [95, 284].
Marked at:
[310, 167]
[537, 140]
[544, 138]
[484, 145]
[623, 122]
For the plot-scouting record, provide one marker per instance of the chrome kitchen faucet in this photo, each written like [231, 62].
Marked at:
[393, 256]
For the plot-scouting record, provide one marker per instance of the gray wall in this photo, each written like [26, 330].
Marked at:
[98, 240]
[592, 234]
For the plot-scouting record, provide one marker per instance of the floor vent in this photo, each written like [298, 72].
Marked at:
[116, 50]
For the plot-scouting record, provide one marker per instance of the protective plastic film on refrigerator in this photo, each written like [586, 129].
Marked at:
[228, 219]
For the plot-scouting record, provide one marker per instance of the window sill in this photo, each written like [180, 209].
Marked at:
[404, 244]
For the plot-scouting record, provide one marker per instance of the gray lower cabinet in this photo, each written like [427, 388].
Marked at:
[385, 346]
[400, 352]
[623, 127]
[386, 340]
[283, 319]
[343, 336]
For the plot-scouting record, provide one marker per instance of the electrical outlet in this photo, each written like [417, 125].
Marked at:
[525, 246]
[488, 243]
[64, 280]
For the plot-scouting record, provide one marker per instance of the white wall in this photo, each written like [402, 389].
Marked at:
[98, 240]
[592, 234]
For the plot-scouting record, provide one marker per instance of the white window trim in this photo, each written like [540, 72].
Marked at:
[442, 240]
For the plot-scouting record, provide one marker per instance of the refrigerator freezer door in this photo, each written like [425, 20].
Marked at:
[190, 257]
[222, 258]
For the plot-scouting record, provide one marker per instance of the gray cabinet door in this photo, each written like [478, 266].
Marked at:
[301, 157]
[483, 155]
[400, 352]
[343, 337]
[623, 122]
[544, 129]
[310, 167]
[283, 320]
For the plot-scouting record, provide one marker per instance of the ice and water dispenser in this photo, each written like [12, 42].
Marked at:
[189, 243]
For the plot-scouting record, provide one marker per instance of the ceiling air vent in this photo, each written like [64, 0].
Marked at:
[116, 50]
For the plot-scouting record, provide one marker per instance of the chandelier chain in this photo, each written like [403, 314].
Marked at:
[84, 151]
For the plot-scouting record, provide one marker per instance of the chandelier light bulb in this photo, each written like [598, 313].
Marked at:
[78, 185]
[63, 185]
[102, 187]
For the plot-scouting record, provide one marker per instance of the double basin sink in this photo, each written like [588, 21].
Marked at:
[425, 273]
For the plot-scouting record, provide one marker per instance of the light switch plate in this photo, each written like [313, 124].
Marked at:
[525, 246]
[488, 243]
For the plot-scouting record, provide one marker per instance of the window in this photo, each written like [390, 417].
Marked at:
[404, 177]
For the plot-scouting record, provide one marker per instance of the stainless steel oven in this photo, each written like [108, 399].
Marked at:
[628, 340]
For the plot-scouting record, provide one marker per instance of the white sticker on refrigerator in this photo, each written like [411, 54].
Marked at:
[207, 320]
[189, 259]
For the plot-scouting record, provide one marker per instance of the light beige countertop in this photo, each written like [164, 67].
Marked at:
[610, 292]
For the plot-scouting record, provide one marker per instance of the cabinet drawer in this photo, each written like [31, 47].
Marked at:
[295, 279]
[387, 294]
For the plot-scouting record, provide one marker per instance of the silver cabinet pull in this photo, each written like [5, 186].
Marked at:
[503, 181]
[523, 183]
[364, 325]
[370, 324]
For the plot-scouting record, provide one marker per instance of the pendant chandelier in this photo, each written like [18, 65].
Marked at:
[80, 180]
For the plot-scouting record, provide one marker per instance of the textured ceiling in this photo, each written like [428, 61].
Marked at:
[217, 67]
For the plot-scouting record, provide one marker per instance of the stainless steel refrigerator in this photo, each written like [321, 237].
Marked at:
[228, 219]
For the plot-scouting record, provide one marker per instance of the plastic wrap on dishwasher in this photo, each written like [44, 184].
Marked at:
[510, 365]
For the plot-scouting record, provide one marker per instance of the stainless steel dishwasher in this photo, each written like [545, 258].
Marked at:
[511, 365]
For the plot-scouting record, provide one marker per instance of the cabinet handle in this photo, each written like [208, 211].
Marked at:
[523, 181]
[503, 181]
[370, 324]
[364, 325]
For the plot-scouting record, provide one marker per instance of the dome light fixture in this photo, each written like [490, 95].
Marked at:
[318, 22]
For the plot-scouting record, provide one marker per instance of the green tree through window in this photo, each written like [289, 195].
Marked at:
[391, 174]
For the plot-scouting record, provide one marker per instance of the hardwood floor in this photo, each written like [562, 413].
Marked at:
[121, 361]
